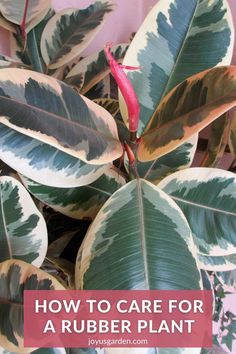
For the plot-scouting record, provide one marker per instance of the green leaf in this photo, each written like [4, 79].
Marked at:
[228, 340]
[43, 163]
[187, 109]
[50, 111]
[232, 136]
[94, 68]
[60, 269]
[15, 13]
[70, 31]
[207, 199]
[218, 139]
[178, 159]
[178, 39]
[33, 46]
[56, 248]
[139, 240]
[20, 276]
[216, 342]
[23, 232]
[79, 203]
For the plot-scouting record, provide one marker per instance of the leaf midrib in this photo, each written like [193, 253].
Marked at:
[89, 187]
[202, 206]
[66, 121]
[180, 52]
[170, 78]
[165, 91]
[142, 234]
[195, 111]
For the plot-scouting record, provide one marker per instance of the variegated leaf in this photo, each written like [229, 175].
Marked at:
[9, 26]
[43, 163]
[227, 278]
[232, 136]
[180, 158]
[50, 111]
[94, 68]
[15, 13]
[217, 263]
[178, 38]
[20, 276]
[218, 139]
[207, 282]
[79, 203]
[29, 53]
[112, 106]
[40, 18]
[103, 89]
[70, 31]
[139, 240]
[207, 198]
[4, 351]
[187, 109]
[7, 62]
[23, 231]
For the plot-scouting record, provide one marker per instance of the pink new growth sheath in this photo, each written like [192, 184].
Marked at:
[125, 87]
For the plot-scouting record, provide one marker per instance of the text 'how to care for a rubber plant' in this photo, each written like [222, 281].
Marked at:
[118, 318]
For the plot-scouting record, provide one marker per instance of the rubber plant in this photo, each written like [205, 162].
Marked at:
[155, 223]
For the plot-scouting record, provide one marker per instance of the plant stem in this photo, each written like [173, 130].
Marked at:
[133, 137]
[133, 172]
